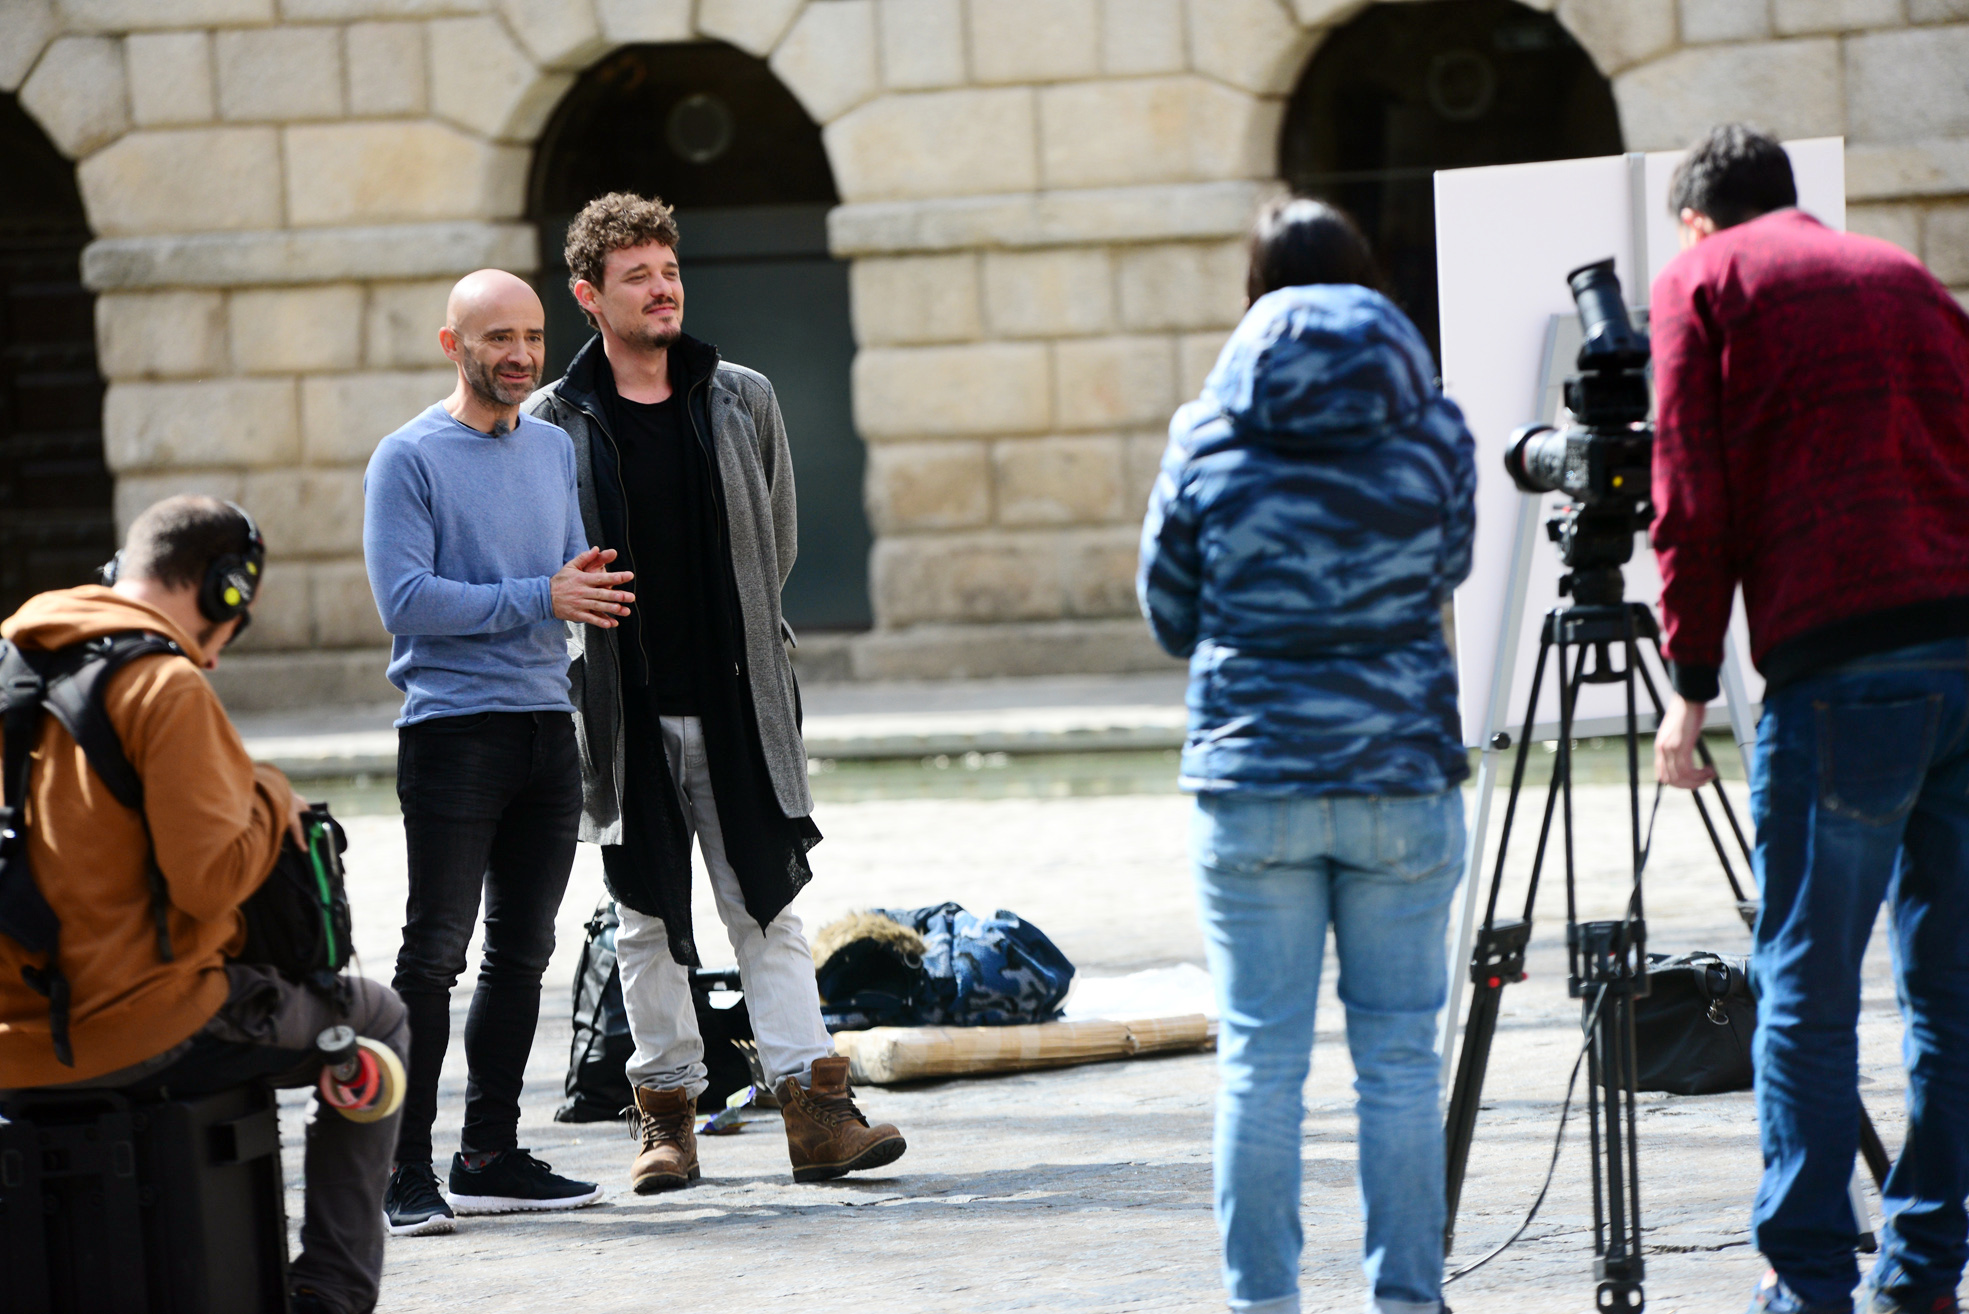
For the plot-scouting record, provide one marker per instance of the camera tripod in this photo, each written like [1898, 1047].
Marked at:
[1607, 960]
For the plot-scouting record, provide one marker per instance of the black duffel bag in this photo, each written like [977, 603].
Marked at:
[297, 922]
[1692, 1031]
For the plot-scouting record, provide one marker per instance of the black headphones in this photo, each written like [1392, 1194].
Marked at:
[230, 581]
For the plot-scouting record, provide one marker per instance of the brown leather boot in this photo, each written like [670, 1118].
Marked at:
[826, 1135]
[668, 1158]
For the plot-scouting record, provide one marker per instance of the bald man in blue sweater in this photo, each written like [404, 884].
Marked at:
[476, 555]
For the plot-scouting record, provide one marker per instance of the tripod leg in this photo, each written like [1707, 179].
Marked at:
[1878, 1165]
[1621, 1267]
[1609, 968]
[1611, 963]
[1864, 1241]
[1498, 961]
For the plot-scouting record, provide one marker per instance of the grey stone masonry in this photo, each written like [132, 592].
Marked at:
[1042, 202]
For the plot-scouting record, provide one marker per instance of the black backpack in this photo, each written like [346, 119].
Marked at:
[597, 1084]
[297, 921]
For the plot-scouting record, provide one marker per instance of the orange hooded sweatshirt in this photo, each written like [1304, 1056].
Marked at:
[217, 820]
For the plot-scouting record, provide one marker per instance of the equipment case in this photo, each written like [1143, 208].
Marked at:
[108, 1203]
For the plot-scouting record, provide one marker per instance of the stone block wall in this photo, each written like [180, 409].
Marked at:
[1042, 201]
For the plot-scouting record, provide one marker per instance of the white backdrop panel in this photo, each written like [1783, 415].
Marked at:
[1505, 238]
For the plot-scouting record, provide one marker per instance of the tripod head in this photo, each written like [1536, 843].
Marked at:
[1595, 541]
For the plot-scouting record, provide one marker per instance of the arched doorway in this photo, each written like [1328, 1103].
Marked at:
[1406, 89]
[713, 132]
[56, 523]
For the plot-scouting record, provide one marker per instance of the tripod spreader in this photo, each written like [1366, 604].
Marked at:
[1608, 955]
[1497, 961]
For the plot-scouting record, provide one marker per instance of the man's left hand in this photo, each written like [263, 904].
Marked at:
[1675, 746]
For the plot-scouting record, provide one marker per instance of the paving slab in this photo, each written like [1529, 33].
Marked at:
[1089, 1188]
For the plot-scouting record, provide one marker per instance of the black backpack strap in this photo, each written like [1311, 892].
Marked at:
[25, 916]
[76, 700]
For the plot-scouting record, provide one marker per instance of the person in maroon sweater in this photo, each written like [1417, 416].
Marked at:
[1813, 448]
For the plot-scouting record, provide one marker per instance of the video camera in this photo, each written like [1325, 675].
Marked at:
[1603, 459]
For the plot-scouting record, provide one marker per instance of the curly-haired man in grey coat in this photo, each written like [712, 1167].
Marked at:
[687, 714]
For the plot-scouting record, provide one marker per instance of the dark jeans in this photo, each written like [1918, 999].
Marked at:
[1860, 789]
[490, 803]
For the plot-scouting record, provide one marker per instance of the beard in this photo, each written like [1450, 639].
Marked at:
[642, 337]
[494, 391]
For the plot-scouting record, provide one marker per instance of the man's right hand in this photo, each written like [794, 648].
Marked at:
[1675, 746]
[583, 591]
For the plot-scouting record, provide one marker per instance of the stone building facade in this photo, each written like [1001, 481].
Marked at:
[1042, 201]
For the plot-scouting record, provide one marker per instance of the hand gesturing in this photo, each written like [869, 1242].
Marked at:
[583, 591]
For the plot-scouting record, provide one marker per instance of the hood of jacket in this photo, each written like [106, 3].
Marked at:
[1326, 365]
[68, 616]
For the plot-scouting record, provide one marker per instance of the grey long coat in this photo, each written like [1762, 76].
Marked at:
[756, 468]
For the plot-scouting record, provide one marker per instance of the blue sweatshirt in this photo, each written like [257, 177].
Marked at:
[461, 532]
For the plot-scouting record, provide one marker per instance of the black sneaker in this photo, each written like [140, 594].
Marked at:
[512, 1181]
[412, 1205]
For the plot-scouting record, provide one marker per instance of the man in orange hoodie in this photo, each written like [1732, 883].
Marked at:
[195, 1023]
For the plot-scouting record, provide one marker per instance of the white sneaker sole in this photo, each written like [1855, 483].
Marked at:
[506, 1204]
[435, 1225]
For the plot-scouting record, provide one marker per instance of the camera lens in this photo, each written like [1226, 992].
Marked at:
[1535, 458]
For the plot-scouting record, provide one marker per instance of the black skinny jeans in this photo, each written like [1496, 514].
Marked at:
[490, 802]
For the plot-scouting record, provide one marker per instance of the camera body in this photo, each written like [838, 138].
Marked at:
[1603, 460]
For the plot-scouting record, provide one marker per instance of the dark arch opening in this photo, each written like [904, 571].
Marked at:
[1406, 89]
[56, 521]
[713, 132]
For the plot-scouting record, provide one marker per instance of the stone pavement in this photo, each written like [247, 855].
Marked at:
[1089, 1188]
[879, 719]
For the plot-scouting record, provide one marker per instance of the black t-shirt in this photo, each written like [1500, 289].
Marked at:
[663, 487]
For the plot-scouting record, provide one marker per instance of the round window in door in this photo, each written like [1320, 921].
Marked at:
[1402, 90]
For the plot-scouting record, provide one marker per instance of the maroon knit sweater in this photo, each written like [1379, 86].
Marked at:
[1812, 445]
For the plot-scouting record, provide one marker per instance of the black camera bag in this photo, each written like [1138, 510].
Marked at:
[1692, 1031]
[297, 922]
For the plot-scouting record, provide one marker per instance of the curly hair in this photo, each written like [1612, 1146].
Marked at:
[615, 222]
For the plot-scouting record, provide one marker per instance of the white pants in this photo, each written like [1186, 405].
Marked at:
[775, 966]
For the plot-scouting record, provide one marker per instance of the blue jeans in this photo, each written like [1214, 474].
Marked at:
[1860, 790]
[1272, 874]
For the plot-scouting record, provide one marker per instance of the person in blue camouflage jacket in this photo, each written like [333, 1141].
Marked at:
[1313, 512]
